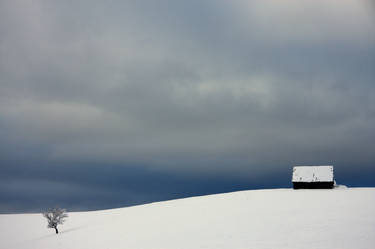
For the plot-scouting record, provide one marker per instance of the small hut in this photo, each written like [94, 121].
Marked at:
[313, 177]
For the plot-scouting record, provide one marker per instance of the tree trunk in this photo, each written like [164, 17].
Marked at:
[57, 231]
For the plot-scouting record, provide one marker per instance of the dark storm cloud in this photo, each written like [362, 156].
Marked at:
[233, 91]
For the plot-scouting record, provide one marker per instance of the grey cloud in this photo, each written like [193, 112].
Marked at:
[206, 87]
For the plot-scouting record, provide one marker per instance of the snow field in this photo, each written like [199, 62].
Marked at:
[275, 218]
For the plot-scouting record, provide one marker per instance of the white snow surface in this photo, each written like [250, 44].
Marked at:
[312, 174]
[276, 218]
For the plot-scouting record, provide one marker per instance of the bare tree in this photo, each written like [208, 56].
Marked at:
[55, 216]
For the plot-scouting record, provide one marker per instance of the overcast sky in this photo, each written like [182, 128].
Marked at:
[114, 103]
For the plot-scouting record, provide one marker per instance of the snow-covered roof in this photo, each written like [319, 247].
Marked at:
[312, 174]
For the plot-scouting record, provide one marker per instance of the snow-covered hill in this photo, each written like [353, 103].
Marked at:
[278, 218]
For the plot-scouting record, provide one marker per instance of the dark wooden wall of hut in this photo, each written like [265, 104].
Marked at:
[313, 185]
